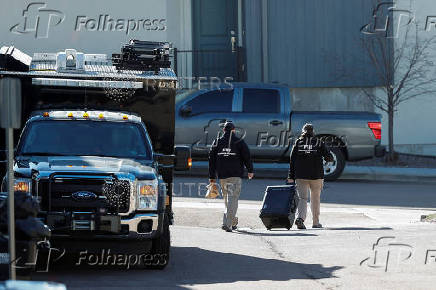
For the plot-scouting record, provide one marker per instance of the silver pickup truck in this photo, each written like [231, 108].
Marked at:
[264, 117]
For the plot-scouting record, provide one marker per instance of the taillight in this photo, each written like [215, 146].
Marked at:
[376, 129]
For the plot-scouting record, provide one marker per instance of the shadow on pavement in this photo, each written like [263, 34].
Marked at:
[210, 267]
[359, 229]
[276, 233]
[190, 266]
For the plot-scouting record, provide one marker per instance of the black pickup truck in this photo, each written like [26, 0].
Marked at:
[97, 150]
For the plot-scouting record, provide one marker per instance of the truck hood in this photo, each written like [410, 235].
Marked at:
[25, 167]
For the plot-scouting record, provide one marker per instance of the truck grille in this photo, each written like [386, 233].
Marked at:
[58, 194]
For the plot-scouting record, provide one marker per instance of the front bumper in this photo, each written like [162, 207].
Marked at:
[140, 226]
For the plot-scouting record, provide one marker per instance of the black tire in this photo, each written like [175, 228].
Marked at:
[161, 246]
[340, 165]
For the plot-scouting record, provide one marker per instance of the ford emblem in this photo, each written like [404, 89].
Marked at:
[84, 195]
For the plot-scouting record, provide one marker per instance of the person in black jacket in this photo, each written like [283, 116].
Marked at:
[306, 169]
[227, 158]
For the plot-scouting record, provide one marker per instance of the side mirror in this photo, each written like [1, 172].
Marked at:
[164, 161]
[185, 110]
[183, 161]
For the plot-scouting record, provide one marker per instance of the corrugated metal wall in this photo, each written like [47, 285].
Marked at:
[253, 39]
[311, 43]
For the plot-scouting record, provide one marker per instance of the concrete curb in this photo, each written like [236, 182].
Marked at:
[368, 173]
[375, 173]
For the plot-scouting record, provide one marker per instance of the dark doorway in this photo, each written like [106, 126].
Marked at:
[215, 38]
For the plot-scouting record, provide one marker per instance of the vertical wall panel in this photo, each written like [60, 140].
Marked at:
[316, 43]
[253, 39]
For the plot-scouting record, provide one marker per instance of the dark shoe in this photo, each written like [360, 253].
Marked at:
[317, 226]
[300, 224]
[229, 230]
[234, 228]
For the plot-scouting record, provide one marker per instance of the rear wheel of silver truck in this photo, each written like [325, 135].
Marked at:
[333, 170]
[160, 249]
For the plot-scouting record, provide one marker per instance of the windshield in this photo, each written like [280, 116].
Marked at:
[183, 94]
[85, 138]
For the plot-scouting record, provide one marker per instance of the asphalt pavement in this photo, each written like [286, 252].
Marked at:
[373, 239]
[370, 193]
[351, 172]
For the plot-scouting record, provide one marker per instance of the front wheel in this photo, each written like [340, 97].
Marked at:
[161, 247]
[333, 170]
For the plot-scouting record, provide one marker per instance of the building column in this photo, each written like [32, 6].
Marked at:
[265, 62]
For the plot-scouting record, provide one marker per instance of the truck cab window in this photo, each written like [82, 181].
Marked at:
[83, 138]
[261, 101]
[217, 101]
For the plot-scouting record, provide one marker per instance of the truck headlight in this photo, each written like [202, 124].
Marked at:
[147, 193]
[23, 185]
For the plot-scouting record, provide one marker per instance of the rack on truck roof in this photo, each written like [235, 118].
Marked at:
[140, 55]
[12, 58]
[139, 61]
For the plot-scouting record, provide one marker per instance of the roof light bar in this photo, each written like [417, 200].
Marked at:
[90, 115]
[86, 83]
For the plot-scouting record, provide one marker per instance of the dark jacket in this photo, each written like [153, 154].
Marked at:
[307, 158]
[228, 156]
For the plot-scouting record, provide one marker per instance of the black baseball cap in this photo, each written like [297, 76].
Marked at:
[229, 126]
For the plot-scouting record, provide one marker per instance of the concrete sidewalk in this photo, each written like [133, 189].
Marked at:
[370, 173]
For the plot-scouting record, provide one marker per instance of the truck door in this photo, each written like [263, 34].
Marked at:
[200, 119]
[262, 117]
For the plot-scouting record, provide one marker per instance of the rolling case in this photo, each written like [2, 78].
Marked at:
[279, 206]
